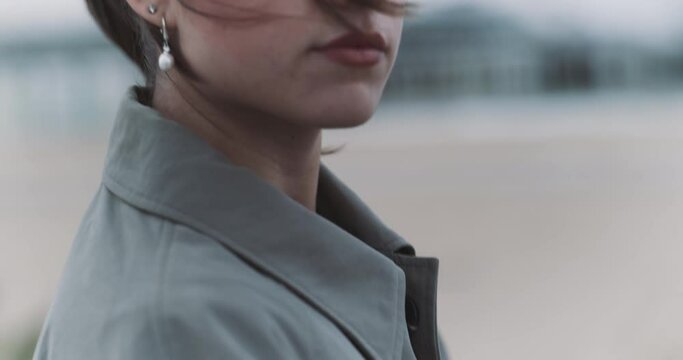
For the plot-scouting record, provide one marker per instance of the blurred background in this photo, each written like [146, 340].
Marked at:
[535, 148]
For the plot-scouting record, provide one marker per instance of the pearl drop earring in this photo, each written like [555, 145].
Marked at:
[166, 60]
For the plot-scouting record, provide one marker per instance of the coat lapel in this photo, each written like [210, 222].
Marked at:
[337, 259]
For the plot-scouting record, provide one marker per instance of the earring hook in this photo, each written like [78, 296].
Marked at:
[164, 32]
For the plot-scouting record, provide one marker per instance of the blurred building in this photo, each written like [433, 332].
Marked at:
[469, 49]
[577, 61]
[466, 49]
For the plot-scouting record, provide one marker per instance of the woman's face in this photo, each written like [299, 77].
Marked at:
[269, 65]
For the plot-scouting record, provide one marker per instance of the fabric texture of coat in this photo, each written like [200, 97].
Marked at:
[182, 254]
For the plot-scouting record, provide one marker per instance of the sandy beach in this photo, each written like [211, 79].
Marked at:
[552, 245]
[548, 250]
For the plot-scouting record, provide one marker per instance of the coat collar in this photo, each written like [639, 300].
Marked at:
[338, 259]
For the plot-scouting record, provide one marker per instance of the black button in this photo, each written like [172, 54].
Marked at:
[412, 314]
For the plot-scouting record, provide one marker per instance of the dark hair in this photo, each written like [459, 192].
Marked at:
[141, 41]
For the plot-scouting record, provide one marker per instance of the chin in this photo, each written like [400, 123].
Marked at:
[347, 122]
[344, 117]
[350, 112]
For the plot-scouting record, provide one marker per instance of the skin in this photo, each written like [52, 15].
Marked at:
[260, 94]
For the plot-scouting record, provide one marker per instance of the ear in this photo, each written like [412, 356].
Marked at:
[141, 7]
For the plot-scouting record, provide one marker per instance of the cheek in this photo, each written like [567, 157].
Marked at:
[266, 62]
[241, 46]
[394, 29]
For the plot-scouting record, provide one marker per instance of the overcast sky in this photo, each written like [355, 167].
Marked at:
[639, 17]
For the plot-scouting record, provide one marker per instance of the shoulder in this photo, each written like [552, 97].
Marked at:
[186, 324]
[139, 286]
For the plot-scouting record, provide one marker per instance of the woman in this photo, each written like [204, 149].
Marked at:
[217, 233]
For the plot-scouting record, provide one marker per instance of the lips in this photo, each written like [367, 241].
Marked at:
[373, 40]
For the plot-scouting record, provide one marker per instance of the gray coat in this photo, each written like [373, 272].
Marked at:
[184, 255]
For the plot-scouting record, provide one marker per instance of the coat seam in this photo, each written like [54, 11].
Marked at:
[160, 291]
[397, 332]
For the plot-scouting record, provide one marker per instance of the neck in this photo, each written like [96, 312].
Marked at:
[282, 153]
